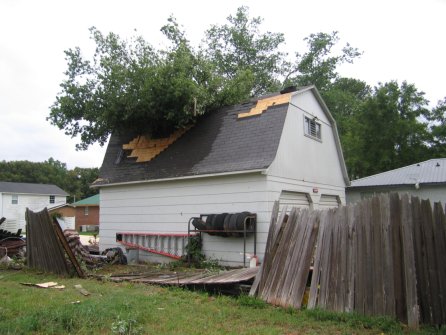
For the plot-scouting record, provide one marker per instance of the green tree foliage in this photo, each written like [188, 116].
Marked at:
[318, 66]
[249, 62]
[128, 85]
[390, 129]
[345, 99]
[131, 86]
[438, 128]
[75, 182]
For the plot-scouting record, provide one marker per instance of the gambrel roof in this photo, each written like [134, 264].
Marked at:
[30, 188]
[237, 139]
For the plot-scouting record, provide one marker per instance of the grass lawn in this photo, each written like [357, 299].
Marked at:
[126, 308]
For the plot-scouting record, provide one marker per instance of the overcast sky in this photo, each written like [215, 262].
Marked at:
[401, 40]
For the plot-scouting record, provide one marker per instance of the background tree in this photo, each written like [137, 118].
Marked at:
[391, 129]
[249, 62]
[345, 99]
[130, 86]
[318, 66]
[75, 182]
[438, 129]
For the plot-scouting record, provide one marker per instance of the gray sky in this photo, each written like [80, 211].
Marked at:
[401, 40]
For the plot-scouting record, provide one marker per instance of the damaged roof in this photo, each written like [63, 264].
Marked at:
[234, 139]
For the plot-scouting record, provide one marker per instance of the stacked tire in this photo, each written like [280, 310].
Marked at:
[224, 224]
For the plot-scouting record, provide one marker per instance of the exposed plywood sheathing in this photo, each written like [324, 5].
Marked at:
[263, 104]
[145, 149]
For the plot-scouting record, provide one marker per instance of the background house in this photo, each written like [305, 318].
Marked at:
[65, 214]
[242, 158]
[16, 197]
[426, 180]
[87, 213]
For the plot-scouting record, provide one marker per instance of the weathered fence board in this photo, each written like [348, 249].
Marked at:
[377, 257]
[315, 279]
[265, 266]
[431, 259]
[382, 256]
[388, 267]
[440, 250]
[44, 250]
[351, 260]
[410, 278]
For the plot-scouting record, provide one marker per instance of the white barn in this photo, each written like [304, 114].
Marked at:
[16, 197]
[241, 158]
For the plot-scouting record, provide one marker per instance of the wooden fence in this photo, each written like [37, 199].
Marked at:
[46, 246]
[383, 256]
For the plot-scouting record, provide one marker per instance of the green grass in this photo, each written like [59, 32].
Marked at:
[127, 308]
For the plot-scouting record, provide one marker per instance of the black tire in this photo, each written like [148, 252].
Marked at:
[210, 223]
[233, 225]
[219, 221]
[226, 222]
[199, 224]
[241, 219]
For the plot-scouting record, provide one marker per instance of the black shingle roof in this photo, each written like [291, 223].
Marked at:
[29, 188]
[218, 143]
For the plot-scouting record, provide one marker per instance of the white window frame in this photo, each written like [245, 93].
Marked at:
[312, 128]
[52, 199]
[14, 199]
[86, 210]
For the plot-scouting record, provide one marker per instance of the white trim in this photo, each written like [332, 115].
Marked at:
[262, 171]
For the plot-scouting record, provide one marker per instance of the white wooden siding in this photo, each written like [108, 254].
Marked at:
[168, 206]
[15, 213]
[328, 201]
[276, 185]
[302, 158]
[289, 199]
[67, 222]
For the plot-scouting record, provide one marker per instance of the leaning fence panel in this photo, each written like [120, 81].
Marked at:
[383, 256]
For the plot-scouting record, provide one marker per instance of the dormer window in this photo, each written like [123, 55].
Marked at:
[312, 128]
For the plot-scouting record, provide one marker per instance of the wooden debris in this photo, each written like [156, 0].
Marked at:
[191, 278]
[45, 285]
[46, 246]
[81, 290]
